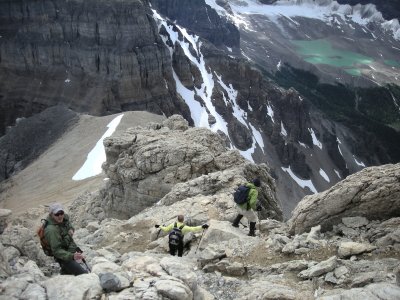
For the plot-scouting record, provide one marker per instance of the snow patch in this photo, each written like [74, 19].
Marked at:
[283, 130]
[97, 156]
[303, 145]
[315, 140]
[339, 142]
[301, 182]
[324, 175]
[359, 163]
[270, 112]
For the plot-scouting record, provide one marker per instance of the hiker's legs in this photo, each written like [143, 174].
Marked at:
[71, 267]
[252, 231]
[172, 249]
[252, 217]
[237, 220]
[180, 249]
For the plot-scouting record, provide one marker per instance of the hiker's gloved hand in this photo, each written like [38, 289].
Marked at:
[78, 256]
[71, 232]
[156, 226]
[205, 226]
[259, 208]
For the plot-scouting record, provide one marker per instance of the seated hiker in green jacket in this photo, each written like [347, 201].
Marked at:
[58, 233]
[176, 232]
[247, 209]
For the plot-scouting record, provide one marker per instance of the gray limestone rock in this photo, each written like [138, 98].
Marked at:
[347, 249]
[320, 268]
[110, 282]
[373, 193]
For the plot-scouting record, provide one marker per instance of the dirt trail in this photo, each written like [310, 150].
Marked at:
[49, 178]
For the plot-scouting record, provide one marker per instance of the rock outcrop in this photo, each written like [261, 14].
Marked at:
[373, 193]
[169, 162]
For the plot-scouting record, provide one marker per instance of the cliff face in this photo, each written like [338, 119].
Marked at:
[95, 56]
[202, 19]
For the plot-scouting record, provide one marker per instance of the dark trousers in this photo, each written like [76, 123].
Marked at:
[174, 248]
[71, 267]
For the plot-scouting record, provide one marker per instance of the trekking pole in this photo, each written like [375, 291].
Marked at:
[79, 250]
[158, 233]
[87, 267]
[159, 230]
[200, 241]
[242, 224]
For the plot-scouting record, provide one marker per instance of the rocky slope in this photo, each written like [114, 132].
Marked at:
[186, 57]
[55, 160]
[357, 257]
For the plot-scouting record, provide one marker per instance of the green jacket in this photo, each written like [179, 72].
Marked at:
[252, 198]
[61, 243]
[185, 229]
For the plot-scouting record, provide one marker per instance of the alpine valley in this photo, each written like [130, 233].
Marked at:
[309, 87]
[185, 100]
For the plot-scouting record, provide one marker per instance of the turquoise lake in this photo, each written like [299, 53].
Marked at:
[322, 52]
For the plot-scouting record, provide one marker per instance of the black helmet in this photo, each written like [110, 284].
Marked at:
[257, 182]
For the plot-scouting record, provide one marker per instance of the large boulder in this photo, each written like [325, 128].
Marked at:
[373, 193]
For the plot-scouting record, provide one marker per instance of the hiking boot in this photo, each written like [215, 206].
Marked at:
[237, 220]
[252, 231]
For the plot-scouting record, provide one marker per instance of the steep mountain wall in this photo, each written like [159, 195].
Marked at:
[31, 137]
[200, 18]
[97, 57]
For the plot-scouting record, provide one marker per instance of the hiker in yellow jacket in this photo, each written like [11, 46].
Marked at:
[176, 232]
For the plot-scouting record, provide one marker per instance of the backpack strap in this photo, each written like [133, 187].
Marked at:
[183, 225]
[175, 225]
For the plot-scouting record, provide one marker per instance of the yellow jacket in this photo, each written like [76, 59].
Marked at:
[185, 229]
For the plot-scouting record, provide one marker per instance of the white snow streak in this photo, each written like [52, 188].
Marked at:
[315, 140]
[359, 163]
[324, 175]
[97, 155]
[339, 142]
[270, 112]
[199, 113]
[283, 130]
[301, 182]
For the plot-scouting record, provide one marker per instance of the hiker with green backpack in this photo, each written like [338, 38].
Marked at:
[176, 232]
[57, 241]
[245, 198]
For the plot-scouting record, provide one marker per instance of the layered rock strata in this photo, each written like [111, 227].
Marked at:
[169, 162]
